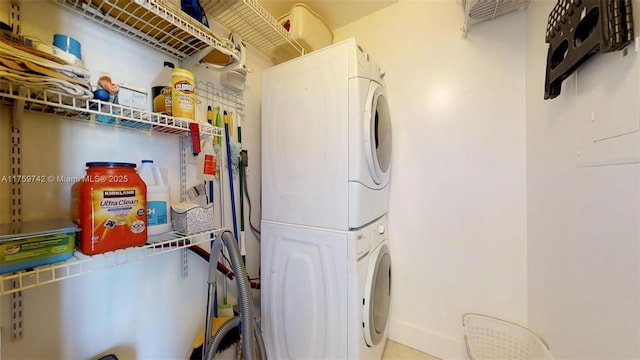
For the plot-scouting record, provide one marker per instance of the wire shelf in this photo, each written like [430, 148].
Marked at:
[83, 264]
[256, 26]
[156, 23]
[161, 25]
[105, 113]
[477, 11]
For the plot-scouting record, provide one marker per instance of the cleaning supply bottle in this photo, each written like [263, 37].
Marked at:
[207, 161]
[158, 199]
[161, 90]
[183, 101]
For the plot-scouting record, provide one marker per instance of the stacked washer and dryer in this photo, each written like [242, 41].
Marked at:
[326, 157]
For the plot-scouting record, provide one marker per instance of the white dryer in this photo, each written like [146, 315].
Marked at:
[328, 292]
[326, 139]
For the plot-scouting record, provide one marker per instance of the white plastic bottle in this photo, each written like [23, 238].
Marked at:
[158, 199]
[161, 90]
[207, 161]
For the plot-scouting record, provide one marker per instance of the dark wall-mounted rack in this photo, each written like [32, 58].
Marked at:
[578, 29]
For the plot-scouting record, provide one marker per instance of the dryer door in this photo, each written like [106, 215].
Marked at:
[377, 136]
[377, 294]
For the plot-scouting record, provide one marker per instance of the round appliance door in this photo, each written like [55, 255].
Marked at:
[377, 133]
[377, 294]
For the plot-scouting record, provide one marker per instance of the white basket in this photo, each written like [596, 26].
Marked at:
[307, 27]
[490, 338]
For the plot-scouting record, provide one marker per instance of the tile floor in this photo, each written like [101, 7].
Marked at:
[396, 351]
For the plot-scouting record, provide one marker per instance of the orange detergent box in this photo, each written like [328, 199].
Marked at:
[110, 205]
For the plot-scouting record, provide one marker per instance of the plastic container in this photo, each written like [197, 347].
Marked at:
[183, 102]
[109, 204]
[207, 162]
[132, 96]
[306, 27]
[158, 199]
[487, 338]
[191, 219]
[68, 44]
[195, 10]
[28, 244]
[161, 90]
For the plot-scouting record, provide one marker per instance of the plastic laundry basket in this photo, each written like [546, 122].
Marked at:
[490, 338]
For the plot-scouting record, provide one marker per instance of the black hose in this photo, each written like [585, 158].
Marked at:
[255, 230]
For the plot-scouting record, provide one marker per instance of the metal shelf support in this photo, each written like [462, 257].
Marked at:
[16, 171]
[185, 145]
[16, 206]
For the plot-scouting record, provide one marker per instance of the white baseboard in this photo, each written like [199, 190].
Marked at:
[438, 345]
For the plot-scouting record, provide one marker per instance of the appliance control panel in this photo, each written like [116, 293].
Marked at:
[379, 233]
[362, 245]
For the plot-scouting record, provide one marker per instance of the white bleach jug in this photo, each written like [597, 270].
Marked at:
[158, 199]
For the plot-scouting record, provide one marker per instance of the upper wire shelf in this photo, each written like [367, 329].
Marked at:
[83, 264]
[477, 11]
[256, 26]
[161, 25]
[156, 23]
[57, 103]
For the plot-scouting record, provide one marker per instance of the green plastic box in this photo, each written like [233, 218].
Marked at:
[25, 245]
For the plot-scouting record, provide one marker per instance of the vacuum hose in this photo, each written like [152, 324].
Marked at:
[231, 325]
[246, 318]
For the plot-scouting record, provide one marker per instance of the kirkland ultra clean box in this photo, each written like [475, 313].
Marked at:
[25, 245]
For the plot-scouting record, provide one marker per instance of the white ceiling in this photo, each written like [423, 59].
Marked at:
[337, 13]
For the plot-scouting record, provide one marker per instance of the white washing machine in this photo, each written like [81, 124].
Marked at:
[328, 291]
[326, 139]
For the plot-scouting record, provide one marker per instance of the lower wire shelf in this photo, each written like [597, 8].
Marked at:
[83, 264]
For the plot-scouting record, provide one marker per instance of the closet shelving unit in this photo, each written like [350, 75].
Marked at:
[51, 102]
[59, 104]
[158, 24]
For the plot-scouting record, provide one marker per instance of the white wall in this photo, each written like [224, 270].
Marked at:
[140, 310]
[458, 191]
[584, 202]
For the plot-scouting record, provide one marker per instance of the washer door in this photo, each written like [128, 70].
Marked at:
[377, 133]
[377, 294]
